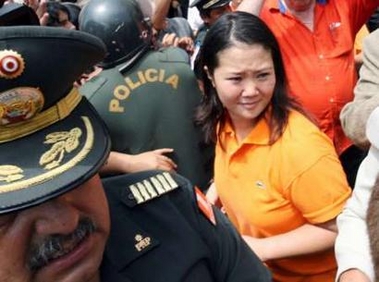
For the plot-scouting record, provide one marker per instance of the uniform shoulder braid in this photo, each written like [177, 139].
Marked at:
[139, 188]
[136, 189]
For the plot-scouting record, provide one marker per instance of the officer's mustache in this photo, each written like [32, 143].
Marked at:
[55, 246]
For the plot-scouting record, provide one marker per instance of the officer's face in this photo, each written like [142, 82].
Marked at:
[61, 240]
[215, 14]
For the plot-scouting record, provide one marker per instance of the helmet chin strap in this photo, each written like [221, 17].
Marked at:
[130, 63]
[147, 36]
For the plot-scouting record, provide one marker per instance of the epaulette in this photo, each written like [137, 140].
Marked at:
[150, 188]
[90, 88]
[173, 54]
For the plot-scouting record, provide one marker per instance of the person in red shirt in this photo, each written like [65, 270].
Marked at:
[316, 38]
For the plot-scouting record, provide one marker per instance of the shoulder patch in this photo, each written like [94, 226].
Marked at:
[89, 88]
[205, 206]
[152, 187]
[174, 54]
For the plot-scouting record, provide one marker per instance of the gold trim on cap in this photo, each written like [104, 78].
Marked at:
[43, 177]
[210, 3]
[43, 119]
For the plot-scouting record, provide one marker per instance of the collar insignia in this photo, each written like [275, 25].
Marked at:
[142, 243]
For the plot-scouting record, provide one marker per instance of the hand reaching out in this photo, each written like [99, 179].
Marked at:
[186, 43]
[155, 159]
[150, 160]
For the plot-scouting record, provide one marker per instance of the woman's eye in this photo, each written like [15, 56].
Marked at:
[263, 75]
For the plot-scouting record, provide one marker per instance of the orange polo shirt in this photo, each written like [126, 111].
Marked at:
[320, 64]
[268, 190]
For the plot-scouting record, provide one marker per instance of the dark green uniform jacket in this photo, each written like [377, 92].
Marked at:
[167, 238]
[151, 106]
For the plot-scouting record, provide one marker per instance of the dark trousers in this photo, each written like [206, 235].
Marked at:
[351, 160]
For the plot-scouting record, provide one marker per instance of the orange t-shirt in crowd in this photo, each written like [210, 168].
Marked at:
[268, 190]
[320, 64]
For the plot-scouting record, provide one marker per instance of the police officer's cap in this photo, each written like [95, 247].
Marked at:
[209, 4]
[17, 14]
[51, 139]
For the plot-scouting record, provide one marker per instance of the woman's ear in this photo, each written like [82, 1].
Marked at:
[210, 77]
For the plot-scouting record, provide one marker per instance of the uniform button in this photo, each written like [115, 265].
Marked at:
[321, 56]
[131, 196]
[327, 78]
[331, 100]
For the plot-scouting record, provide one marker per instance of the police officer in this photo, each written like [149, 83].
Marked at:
[210, 11]
[146, 97]
[56, 222]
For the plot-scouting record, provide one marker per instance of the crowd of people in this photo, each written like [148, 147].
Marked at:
[189, 140]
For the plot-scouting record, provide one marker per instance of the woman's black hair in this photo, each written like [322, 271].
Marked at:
[231, 29]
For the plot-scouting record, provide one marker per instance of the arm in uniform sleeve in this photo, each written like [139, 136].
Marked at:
[231, 258]
[234, 260]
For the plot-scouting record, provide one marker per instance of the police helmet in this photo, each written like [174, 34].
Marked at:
[121, 26]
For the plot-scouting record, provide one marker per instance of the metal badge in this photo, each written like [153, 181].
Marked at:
[20, 104]
[142, 243]
[12, 64]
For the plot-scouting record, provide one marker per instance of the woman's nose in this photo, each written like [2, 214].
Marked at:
[250, 88]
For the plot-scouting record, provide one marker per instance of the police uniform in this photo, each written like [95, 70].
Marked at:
[152, 106]
[160, 223]
[147, 98]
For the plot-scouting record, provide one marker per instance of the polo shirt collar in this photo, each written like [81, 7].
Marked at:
[283, 8]
[259, 135]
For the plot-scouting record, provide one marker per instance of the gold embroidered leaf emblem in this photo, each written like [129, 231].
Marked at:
[10, 173]
[72, 141]
[63, 142]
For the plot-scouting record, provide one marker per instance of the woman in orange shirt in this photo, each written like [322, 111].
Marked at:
[276, 174]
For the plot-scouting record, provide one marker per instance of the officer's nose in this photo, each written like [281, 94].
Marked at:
[56, 216]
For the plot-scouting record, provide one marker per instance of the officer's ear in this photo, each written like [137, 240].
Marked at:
[210, 77]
